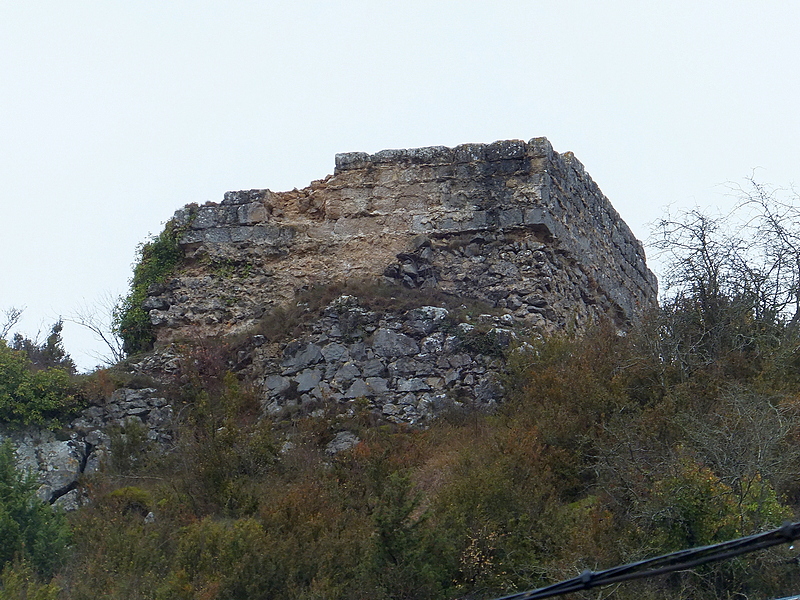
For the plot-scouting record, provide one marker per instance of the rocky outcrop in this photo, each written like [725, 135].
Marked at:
[60, 458]
[514, 224]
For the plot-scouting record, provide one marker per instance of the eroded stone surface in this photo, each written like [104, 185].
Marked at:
[512, 223]
[406, 366]
[344, 440]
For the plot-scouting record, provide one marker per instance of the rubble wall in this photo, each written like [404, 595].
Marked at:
[512, 223]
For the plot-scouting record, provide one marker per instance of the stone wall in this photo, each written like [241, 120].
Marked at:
[404, 366]
[512, 223]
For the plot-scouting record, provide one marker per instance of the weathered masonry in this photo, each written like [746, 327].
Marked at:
[514, 224]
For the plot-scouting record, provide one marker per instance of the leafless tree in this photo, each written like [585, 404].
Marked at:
[749, 437]
[733, 281]
[704, 304]
[772, 226]
[97, 317]
[11, 317]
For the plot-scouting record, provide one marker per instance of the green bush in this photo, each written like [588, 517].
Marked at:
[157, 260]
[19, 582]
[29, 529]
[130, 447]
[406, 559]
[132, 499]
[33, 397]
[227, 561]
[116, 553]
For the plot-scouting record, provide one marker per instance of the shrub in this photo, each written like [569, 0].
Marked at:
[406, 560]
[117, 553]
[130, 447]
[33, 397]
[49, 354]
[225, 560]
[131, 499]
[29, 528]
[19, 582]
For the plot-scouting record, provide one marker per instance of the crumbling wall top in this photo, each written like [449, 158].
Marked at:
[431, 155]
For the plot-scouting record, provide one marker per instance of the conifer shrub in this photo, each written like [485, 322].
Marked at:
[49, 354]
[30, 530]
[18, 581]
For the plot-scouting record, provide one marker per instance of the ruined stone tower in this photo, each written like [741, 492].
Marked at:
[513, 224]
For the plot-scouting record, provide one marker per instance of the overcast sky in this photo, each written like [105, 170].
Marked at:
[115, 114]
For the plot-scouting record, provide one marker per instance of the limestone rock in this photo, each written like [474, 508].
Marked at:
[60, 459]
[344, 440]
[390, 344]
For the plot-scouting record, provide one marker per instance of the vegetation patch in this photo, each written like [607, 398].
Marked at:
[37, 386]
[608, 449]
[34, 536]
[158, 259]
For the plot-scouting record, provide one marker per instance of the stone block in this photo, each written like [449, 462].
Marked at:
[379, 385]
[391, 344]
[244, 196]
[347, 373]
[205, 217]
[510, 218]
[359, 389]
[192, 237]
[430, 155]
[506, 149]
[334, 352]
[249, 214]
[300, 358]
[268, 234]
[390, 155]
[466, 153]
[227, 215]
[217, 235]
[421, 224]
[414, 384]
[348, 161]
[344, 440]
[240, 234]
[539, 148]
[308, 379]
[480, 220]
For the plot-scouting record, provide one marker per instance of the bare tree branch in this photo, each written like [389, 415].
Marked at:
[98, 318]
[11, 317]
[733, 281]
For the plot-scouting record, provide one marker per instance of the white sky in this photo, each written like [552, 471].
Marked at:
[115, 114]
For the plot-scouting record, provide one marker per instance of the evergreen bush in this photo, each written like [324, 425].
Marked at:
[30, 530]
[30, 396]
